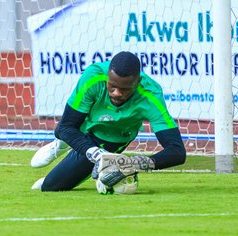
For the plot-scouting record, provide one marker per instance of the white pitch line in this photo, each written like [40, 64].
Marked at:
[68, 218]
[12, 164]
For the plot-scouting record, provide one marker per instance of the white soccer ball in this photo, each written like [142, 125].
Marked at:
[128, 185]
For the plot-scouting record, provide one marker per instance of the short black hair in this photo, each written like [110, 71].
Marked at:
[125, 64]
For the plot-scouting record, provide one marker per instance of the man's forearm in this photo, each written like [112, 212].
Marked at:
[68, 130]
[173, 153]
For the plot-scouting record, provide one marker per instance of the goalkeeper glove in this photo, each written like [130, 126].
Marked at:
[115, 167]
[94, 155]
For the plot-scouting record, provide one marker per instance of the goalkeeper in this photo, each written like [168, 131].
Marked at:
[104, 114]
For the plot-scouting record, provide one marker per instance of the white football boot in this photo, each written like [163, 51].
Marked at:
[48, 153]
[37, 185]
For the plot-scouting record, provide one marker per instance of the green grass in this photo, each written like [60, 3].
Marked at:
[166, 203]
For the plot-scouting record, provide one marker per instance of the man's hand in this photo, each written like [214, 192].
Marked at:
[95, 173]
[115, 167]
[94, 155]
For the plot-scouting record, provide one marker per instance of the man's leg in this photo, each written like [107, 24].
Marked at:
[71, 171]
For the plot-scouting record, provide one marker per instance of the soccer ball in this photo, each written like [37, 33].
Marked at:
[127, 185]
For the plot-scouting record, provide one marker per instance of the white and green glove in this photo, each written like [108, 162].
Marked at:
[115, 167]
[94, 154]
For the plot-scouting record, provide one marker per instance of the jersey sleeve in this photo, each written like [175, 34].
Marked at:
[85, 93]
[159, 117]
[156, 110]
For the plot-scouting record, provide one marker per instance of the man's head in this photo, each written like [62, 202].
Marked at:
[124, 76]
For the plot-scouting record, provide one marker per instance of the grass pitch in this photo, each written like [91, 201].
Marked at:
[166, 203]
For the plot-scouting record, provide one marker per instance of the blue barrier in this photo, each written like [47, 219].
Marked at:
[16, 135]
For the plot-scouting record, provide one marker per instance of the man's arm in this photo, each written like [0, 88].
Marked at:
[113, 168]
[68, 130]
[174, 152]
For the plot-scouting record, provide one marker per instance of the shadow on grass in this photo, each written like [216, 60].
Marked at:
[80, 189]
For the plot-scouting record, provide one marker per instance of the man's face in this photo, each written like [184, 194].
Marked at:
[120, 89]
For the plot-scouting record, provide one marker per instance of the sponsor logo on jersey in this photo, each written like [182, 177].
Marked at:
[106, 118]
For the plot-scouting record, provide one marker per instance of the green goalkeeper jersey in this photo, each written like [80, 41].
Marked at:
[118, 124]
